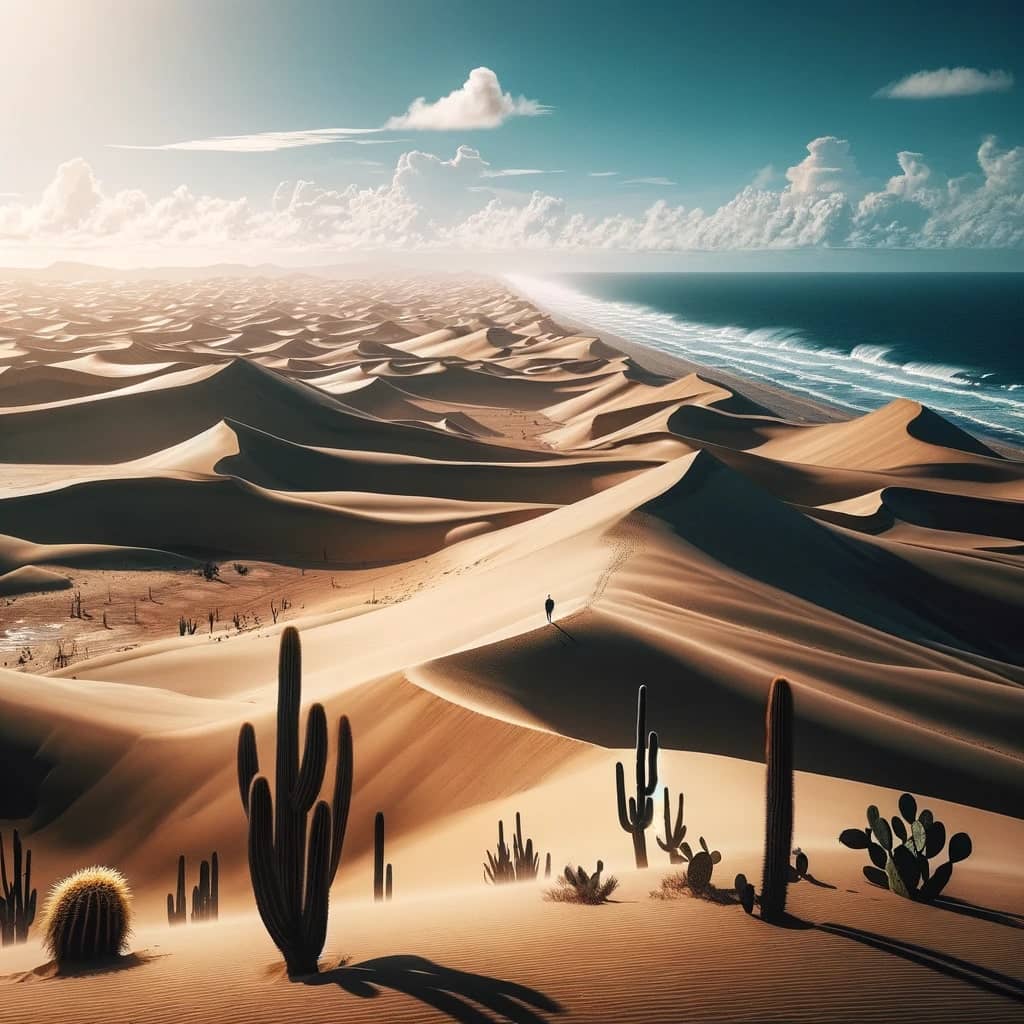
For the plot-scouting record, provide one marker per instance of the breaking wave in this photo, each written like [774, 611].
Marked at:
[861, 379]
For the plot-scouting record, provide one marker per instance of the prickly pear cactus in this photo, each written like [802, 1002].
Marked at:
[700, 865]
[745, 893]
[900, 850]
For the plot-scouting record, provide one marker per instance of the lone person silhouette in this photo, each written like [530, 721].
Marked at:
[549, 607]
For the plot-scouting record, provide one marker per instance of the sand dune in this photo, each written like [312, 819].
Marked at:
[404, 469]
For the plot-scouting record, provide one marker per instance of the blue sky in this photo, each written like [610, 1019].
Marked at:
[689, 103]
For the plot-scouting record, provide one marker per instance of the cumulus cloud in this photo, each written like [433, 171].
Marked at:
[828, 167]
[431, 202]
[943, 82]
[478, 103]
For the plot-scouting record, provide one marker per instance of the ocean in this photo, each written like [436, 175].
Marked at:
[954, 342]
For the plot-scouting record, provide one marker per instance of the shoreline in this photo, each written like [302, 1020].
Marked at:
[779, 401]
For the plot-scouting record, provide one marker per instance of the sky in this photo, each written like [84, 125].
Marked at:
[604, 134]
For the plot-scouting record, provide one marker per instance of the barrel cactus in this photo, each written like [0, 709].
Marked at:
[900, 850]
[88, 916]
[699, 865]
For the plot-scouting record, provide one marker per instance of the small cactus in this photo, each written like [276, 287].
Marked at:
[801, 864]
[520, 864]
[18, 898]
[381, 884]
[579, 887]
[674, 834]
[525, 862]
[745, 893]
[498, 869]
[176, 904]
[699, 865]
[88, 916]
[900, 850]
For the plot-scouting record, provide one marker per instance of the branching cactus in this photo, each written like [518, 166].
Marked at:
[525, 862]
[499, 868]
[292, 873]
[674, 834]
[636, 814]
[18, 900]
[901, 848]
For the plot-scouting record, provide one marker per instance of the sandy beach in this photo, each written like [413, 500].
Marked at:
[403, 468]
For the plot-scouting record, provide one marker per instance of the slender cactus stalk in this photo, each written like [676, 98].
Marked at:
[378, 857]
[636, 815]
[778, 832]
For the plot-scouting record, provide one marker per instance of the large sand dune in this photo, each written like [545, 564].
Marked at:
[404, 469]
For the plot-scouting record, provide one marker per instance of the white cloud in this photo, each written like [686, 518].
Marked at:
[942, 82]
[647, 181]
[828, 167]
[433, 203]
[765, 177]
[518, 172]
[478, 103]
[602, 174]
[265, 142]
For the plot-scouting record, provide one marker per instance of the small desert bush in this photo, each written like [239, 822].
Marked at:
[88, 916]
[579, 887]
[676, 886]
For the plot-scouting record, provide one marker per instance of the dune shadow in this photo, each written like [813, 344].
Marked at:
[953, 967]
[465, 997]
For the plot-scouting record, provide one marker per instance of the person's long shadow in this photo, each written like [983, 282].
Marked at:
[953, 967]
[467, 998]
[565, 633]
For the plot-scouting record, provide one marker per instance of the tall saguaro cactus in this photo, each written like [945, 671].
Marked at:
[292, 875]
[637, 814]
[18, 898]
[778, 828]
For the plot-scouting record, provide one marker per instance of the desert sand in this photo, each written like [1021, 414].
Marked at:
[404, 469]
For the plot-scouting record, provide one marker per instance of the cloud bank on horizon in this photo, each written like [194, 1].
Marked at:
[432, 203]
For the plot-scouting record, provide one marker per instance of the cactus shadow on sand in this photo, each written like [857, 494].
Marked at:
[951, 966]
[465, 997]
[1003, 917]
